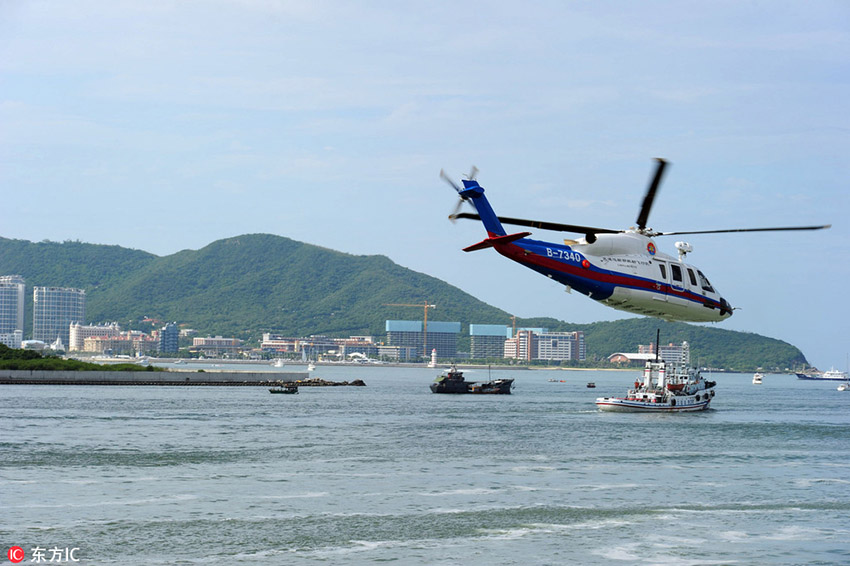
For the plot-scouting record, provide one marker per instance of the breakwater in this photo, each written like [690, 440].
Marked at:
[170, 378]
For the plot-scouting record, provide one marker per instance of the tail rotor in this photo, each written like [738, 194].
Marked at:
[472, 173]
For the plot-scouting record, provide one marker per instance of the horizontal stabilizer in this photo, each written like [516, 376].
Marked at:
[490, 242]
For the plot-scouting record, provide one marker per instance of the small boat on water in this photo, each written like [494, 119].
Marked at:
[591, 385]
[844, 386]
[666, 387]
[285, 388]
[757, 377]
[453, 382]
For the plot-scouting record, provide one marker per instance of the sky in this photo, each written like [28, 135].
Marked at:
[167, 125]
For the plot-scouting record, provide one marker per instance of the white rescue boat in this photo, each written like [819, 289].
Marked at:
[666, 387]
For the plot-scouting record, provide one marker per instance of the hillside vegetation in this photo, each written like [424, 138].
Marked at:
[30, 360]
[256, 283]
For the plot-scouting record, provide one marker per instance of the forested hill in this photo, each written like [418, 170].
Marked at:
[256, 283]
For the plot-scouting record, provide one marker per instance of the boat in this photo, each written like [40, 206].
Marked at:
[835, 374]
[278, 363]
[844, 386]
[591, 385]
[831, 375]
[757, 377]
[452, 381]
[285, 388]
[666, 387]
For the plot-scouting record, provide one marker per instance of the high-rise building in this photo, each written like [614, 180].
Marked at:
[540, 344]
[54, 309]
[561, 346]
[11, 310]
[168, 338]
[488, 340]
[441, 336]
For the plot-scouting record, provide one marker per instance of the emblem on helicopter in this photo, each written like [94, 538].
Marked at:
[636, 277]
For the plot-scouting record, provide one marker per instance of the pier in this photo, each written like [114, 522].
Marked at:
[166, 378]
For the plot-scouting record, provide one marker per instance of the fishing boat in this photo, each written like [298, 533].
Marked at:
[453, 382]
[666, 387]
[757, 377]
[285, 388]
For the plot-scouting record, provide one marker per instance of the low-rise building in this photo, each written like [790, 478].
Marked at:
[216, 346]
[129, 343]
[12, 339]
[79, 332]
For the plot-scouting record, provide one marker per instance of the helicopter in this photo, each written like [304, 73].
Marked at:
[621, 269]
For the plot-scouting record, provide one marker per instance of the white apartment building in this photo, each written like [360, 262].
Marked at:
[79, 332]
[12, 289]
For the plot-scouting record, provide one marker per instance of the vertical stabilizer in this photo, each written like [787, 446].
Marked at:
[474, 193]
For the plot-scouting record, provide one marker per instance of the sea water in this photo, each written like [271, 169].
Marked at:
[393, 473]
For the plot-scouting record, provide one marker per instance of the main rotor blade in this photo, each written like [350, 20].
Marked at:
[778, 229]
[557, 227]
[456, 210]
[650, 195]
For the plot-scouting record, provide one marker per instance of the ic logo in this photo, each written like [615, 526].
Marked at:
[16, 554]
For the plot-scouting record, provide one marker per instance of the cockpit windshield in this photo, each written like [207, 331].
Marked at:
[703, 281]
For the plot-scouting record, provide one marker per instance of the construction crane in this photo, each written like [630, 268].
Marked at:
[424, 306]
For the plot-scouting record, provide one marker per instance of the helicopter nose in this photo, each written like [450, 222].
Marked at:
[725, 307]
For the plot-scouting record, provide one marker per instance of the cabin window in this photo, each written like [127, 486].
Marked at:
[692, 277]
[704, 282]
[677, 272]
[663, 271]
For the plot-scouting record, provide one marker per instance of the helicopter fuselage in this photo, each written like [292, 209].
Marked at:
[625, 272]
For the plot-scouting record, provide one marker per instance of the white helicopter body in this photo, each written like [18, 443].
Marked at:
[621, 269]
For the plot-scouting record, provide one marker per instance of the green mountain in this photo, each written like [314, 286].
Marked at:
[256, 283]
